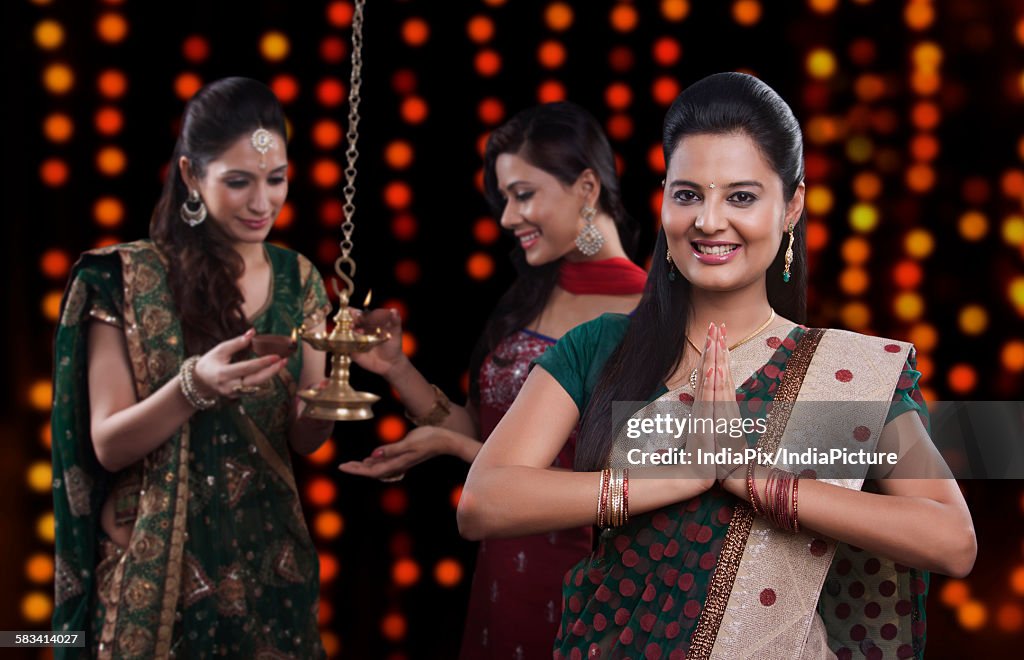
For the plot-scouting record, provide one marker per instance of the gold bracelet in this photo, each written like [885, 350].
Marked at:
[438, 412]
[188, 386]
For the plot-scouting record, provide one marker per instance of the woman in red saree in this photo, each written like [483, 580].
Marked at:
[549, 174]
[746, 561]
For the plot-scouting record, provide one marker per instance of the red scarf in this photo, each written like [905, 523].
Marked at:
[610, 277]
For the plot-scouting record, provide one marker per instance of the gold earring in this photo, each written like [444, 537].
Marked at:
[671, 265]
[193, 210]
[589, 240]
[789, 254]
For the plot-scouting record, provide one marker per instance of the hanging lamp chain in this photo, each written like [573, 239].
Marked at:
[352, 152]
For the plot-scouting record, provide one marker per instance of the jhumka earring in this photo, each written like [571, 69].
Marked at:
[262, 141]
[789, 254]
[671, 266]
[193, 210]
[589, 240]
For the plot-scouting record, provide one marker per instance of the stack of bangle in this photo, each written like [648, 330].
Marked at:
[188, 385]
[438, 412]
[780, 497]
[613, 498]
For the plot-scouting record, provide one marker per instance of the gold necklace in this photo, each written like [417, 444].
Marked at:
[693, 374]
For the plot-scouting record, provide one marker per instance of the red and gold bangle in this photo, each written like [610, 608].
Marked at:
[796, 518]
[625, 496]
[755, 501]
[602, 497]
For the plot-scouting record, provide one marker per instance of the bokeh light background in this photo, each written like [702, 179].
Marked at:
[912, 115]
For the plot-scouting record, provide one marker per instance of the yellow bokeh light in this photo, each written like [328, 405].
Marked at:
[821, 63]
[274, 46]
[919, 243]
[927, 55]
[45, 527]
[40, 476]
[1012, 355]
[908, 306]
[972, 615]
[973, 226]
[49, 34]
[855, 315]
[1016, 293]
[36, 607]
[859, 149]
[58, 78]
[819, 200]
[40, 395]
[973, 320]
[675, 10]
[924, 336]
[50, 306]
[1013, 230]
[863, 217]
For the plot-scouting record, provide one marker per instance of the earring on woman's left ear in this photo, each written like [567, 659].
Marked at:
[671, 266]
[589, 240]
[789, 254]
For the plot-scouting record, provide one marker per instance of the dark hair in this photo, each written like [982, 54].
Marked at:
[724, 103]
[562, 139]
[203, 267]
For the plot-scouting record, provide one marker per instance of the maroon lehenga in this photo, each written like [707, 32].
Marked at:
[515, 602]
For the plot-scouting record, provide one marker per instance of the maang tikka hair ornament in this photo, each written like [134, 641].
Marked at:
[589, 240]
[262, 141]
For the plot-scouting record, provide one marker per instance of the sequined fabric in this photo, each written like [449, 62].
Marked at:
[515, 603]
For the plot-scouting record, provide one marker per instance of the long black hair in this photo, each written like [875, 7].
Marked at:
[204, 268]
[562, 139]
[721, 104]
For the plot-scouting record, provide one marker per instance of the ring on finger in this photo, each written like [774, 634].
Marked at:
[391, 480]
[242, 388]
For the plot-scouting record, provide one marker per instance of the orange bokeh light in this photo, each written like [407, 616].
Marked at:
[558, 16]
[108, 212]
[1012, 183]
[666, 51]
[925, 115]
[407, 272]
[480, 266]
[907, 274]
[817, 235]
[1012, 356]
[675, 10]
[58, 127]
[665, 90]
[415, 31]
[448, 572]
[285, 88]
[328, 524]
[918, 15]
[285, 217]
[487, 63]
[333, 49]
[551, 54]
[962, 378]
[112, 84]
[112, 28]
[39, 568]
[394, 501]
[339, 14]
[746, 12]
[58, 78]
[109, 121]
[405, 572]
[397, 195]
[409, 344]
[486, 231]
[326, 133]
[393, 626]
[195, 48]
[323, 455]
[111, 161]
[320, 491]
[618, 96]
[391, 428]
[619, 127]
[398, 154]
[414, 110]
[53, 172]
[326, 173]
[404, 227]
[55, 264]
[920, 177]
[330, 92]
[656, 158]
[550, 91]
[480, 29]
[186, 85]
[623, 17]
[491, 111]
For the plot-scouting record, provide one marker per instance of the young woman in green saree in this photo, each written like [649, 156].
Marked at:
[748, 560]
[179, 526]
